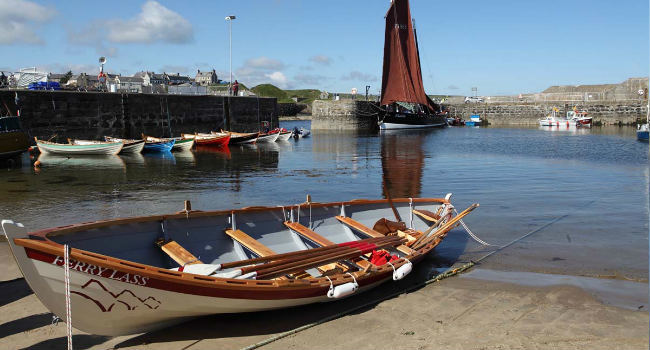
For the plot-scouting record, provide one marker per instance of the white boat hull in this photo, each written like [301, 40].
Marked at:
[284, 136]
[268, 138]
[393, 126]
[108, 148]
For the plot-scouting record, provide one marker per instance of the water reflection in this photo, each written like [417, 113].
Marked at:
[402, 162]
[81, 161]
[566, 129]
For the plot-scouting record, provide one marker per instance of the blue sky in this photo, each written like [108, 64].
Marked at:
[500, 47]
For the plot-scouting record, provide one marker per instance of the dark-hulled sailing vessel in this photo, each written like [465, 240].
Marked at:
[404, 103]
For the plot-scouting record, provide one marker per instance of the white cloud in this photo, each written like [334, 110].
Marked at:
[321, 59]
[17, 19]
[261, 70]
[356, 75]
[155, 23]
[278, 79]
[64, 67]
[313, 80]
[264, 63]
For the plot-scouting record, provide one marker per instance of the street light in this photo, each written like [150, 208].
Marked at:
[230, 19]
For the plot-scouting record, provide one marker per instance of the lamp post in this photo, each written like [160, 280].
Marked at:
[230, 19]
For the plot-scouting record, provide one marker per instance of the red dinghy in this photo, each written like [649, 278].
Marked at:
[209, 139]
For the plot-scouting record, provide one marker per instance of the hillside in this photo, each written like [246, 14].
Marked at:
[306, 96]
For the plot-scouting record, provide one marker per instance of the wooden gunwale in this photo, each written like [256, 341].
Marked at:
[216, 286]
[199, 213]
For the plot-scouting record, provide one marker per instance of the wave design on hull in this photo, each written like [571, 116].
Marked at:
[155, 303]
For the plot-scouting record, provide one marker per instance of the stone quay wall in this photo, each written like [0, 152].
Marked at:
[343, 115]
[92, 115]
[362, 115]
[605, 113]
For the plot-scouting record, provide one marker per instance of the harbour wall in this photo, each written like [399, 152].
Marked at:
[344, 115]
[612, 113]
[93, 115]
[354, 115]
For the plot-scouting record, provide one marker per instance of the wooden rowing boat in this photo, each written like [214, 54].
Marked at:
[264, 138]
[82, 148]
[130, 146]
[214, 140]
[138, 274]
[237, 138]
[180, 143]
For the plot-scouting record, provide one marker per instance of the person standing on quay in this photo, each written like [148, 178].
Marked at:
[235, 88]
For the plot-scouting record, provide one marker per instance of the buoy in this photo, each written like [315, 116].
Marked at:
[342, 290]
[402, 271]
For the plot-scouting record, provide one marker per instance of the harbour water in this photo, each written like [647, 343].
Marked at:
[592, 185]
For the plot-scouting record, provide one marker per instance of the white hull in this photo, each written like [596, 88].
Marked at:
[268, 138]
[393, 126]
[284, 137]
[107, 148]
[183, 146]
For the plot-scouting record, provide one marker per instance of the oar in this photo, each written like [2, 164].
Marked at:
[288, 262]
[390, 201]
[424, 239]
[292, 254]
[291, 258]
[272, 273]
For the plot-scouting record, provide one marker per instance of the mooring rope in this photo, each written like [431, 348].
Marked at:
[471, 234]
[68, 306]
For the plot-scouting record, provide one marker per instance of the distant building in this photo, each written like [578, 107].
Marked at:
[206, 78]
[55, 77]
[151, 78]
[128, 84]
[176, 79]
[85, 81]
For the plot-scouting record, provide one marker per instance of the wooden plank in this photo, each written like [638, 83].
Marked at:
[250, 243]
[427, 215]
[322, 241]
[370, 232]
[359, 227]
[307, 233]
[178, 253]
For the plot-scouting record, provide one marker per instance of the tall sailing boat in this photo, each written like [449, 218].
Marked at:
[403, 99]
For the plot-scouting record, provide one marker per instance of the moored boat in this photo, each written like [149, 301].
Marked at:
[474, 120]
[239, 137]
[13, 140]
[404, 103]
[135, 275]
[130, 146]
[262, 138]
[215, 140]
[300, 133]
[285, 134]
[642, 132]
[81, 148]
[162, 145]
[180, 143]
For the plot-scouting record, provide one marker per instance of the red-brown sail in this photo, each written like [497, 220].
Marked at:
[402, 77]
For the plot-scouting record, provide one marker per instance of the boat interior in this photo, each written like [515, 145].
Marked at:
[227, 236]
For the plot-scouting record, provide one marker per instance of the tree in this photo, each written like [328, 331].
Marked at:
[66, 77]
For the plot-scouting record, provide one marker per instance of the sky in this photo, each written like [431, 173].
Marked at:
[500, 47]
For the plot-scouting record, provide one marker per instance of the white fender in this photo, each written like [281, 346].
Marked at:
[342, 290]
[402, 271]
[201, 269]
[250, 275]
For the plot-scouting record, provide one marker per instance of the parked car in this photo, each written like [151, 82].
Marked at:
[473, 99]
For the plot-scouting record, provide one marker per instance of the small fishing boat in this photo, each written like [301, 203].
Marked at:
[300, 133]
[180, 143]
[215, 140]
[84, 147]
[285, 134]
[474, 120]
[266, 138]
[580, 118]
[158, 145]
[239, 137]
[642, 132]
[130, 146]
[13, 140]
[134, 275]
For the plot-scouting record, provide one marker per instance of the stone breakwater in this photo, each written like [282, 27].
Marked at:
[362, 115]
[343, 115]
[92, 115]
[529, 114]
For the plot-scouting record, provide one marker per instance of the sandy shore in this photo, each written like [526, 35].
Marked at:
[455, 313]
